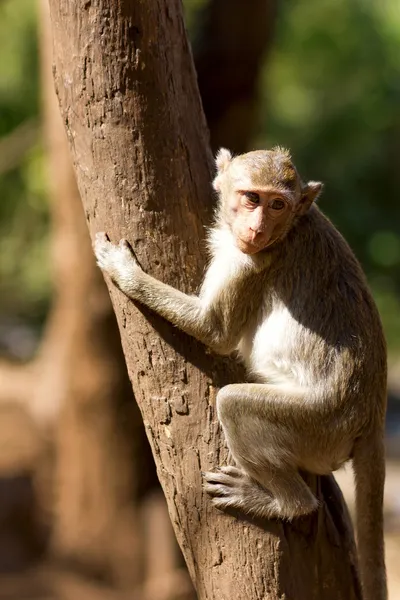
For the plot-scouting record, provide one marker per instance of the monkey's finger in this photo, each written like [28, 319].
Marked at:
[101, 236]
[102, 244]
[125, 245]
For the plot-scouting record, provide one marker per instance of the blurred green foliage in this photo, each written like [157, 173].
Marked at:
[330, 90]
[331, 93]
[24, 273]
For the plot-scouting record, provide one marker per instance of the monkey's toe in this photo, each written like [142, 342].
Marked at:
[231, 470]
[223, 475]
[225, 490]
[217, 490]
[224, 503]
[225, 482]
[230, 487]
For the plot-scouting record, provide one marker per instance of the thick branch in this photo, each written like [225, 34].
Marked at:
[131, 107]
[99, 434]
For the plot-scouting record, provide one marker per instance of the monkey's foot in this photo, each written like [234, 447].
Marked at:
[118, 262]
[230, 487]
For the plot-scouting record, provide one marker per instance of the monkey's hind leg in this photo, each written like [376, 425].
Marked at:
[266, 482]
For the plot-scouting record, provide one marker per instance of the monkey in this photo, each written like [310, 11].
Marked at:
[284, 291]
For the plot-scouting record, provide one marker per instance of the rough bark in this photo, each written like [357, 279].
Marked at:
[130, 103]
[229, 48]
[98, 431]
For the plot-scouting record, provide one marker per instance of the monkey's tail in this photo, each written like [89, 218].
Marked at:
[369, 471]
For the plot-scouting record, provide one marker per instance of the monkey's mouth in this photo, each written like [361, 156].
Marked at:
[251, 247]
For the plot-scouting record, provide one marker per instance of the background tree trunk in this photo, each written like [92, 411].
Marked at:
[229, 49]
[130, 104]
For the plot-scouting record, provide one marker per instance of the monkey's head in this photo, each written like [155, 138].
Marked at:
[261, 196]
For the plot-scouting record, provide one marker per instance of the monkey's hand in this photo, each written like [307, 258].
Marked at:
[119, 263]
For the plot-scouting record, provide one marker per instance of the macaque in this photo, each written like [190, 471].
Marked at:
[284, 291]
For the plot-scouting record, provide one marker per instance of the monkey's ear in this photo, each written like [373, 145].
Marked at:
[309, 193]
[222, 160]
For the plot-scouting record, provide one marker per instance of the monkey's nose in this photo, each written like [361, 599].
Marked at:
[254, 233]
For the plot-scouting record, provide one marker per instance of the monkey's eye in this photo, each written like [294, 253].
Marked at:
[252, 196]
[277, 204]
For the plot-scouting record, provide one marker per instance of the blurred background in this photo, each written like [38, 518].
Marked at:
[81, 513]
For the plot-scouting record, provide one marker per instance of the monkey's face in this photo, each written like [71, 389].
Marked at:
[259, 217]
[261, 195]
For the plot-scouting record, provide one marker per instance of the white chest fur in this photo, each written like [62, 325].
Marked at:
[265, 344]
[226, 263]
[265, 347]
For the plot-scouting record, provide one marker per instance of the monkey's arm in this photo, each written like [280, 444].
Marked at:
[188, 313]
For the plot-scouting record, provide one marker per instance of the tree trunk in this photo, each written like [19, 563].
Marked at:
[131, 107]
[99, 435]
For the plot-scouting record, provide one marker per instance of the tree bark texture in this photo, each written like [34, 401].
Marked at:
[130, 104]
[100, 463]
